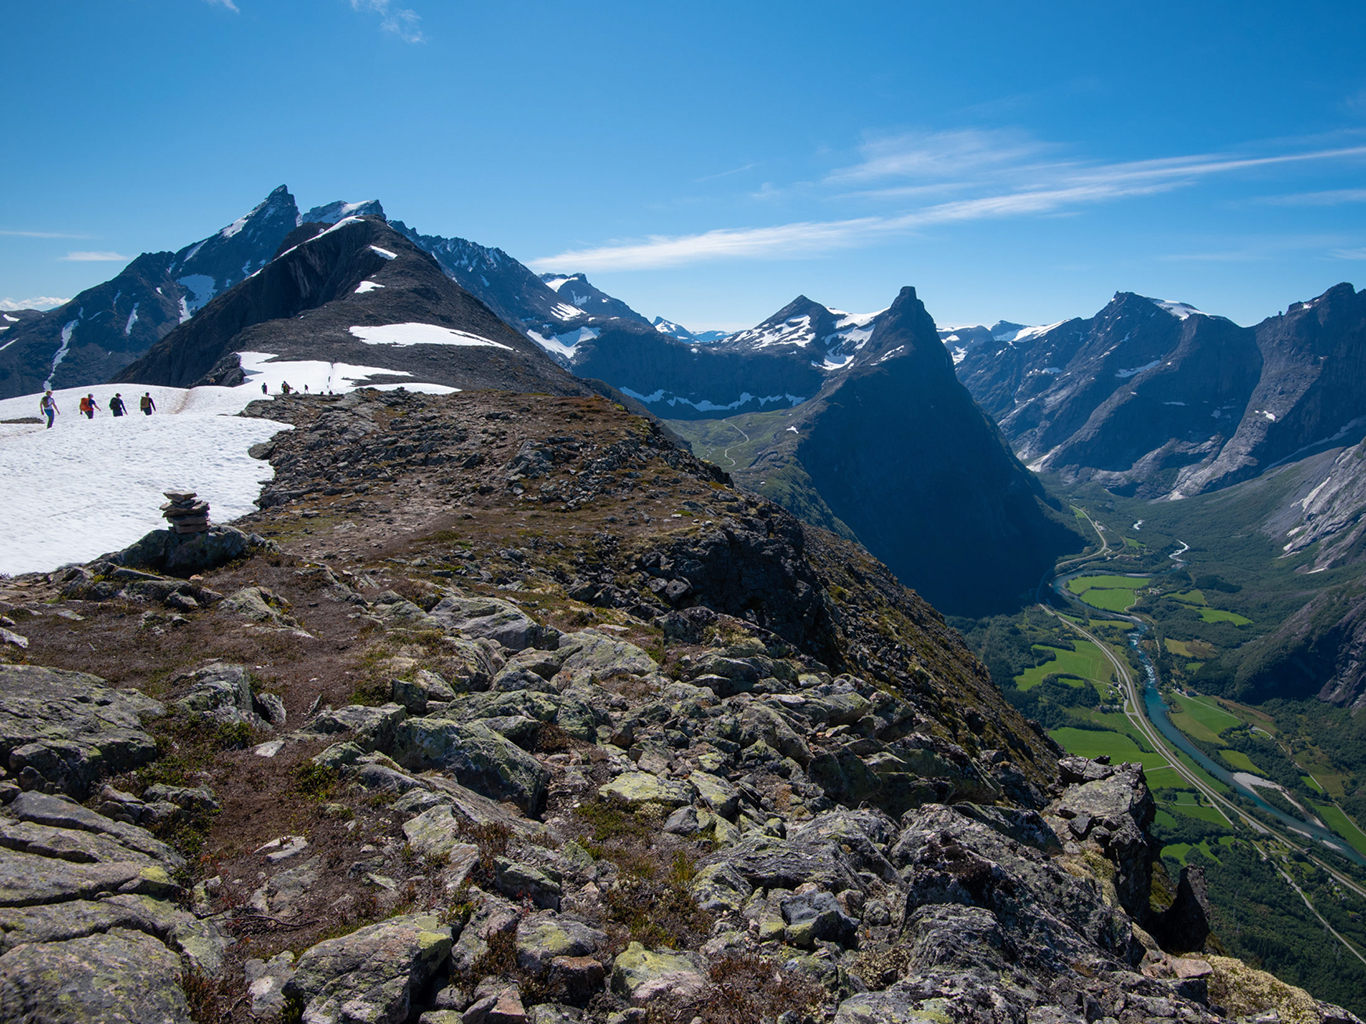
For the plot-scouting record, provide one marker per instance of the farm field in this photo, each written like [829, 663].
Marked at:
[1119, 746]
[1086, 661]
[1199, 719]
[1109, 593]
[1219, 615]
[1240, 761]
[1341, 824]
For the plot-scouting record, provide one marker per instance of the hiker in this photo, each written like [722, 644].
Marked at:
[146, 404]
[284, 387]
[116, 405]
[89, 405]
[48, 405]
[264, 389]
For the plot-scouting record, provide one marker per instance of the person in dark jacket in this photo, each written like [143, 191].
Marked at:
[116, 405]
[146, 404]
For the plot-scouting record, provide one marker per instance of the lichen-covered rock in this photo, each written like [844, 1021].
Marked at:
[489, 618]
[638, 788]
[593, 656]
[544, 937]
[476, 756]
[370, 728]
[372, 974]
[114, 977]
[186, 554]
[641, 975]
[63, 730]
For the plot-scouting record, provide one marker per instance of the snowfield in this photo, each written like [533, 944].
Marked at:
[420, 334]
[87, 487]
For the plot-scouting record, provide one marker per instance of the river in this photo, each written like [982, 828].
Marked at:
[1159, 714]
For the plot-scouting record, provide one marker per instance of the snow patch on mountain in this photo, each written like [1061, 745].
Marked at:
[384, 252]
[1126, 374]
[1024, 334]
[132, 319]
[60, 354]
[564, 345]
[367, 286]
[201, 287]
[1180, 310]
[322, 377]
[796, 331]
[405, 335]
[564, 311]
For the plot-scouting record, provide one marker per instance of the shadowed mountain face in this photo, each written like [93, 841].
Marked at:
[359, 294]
[902, 456]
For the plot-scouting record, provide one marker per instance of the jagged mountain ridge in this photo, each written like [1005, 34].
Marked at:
[103, 329]
[1158, 399]
[357, 294]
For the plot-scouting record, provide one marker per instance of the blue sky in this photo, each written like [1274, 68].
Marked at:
[709, 161]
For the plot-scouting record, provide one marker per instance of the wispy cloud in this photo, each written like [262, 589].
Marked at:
[1349, 254]
[1005, 169]
[40, 234]
[225, 3]
[401, 21]
[95, 257]
[1332, 197]
[725, 174]
[37, 302]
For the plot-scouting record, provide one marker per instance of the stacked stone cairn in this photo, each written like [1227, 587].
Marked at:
[185, 512]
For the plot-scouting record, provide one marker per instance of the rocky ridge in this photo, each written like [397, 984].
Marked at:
[524, 714]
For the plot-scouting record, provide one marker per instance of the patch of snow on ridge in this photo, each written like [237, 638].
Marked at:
[564, 345]
[1126, 374]
[795, 331]
[1025, 333]
[132, 319]
[1180, 310]
[384, 252]
[366, 286]
[556, 283]
[421, 334]
[194, 441]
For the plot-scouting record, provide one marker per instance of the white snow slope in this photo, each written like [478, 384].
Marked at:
[87, 487]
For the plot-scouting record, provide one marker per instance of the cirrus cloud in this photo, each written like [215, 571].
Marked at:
[95, 257]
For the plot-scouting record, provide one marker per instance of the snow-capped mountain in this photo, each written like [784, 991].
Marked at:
[1158, 398]
[359, 303]
[575, 291]
[104, 328]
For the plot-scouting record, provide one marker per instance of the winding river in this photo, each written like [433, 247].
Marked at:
[1159, 714]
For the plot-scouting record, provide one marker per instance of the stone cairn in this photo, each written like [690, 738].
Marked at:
[185, 512]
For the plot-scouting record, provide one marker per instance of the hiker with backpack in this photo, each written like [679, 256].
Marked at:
[48, 405]
[116, 405]
[89, 405]
[146, 404]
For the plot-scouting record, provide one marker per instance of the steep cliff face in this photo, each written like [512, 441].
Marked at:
[901, 454]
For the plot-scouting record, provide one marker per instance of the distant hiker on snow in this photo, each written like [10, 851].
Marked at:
[48, 405]
[285, 388]
[116, 405]
[264, 389]
[89, 405]
[146, 404]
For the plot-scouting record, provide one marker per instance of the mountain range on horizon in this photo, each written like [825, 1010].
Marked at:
[1150, 398]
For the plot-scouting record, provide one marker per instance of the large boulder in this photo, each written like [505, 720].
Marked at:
[492, 619]
[641, 975]
[165, 551]
[61, 731]
[478, 757]
[372, 974]
[115, 977]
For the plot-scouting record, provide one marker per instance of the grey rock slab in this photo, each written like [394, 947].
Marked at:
[67, 729]
[26, 880]
[595, 656]
[66, 844]
[888, 1007]
[491, 619]
[769, 862]
[53, 811]
[543, 937]
[370, 728]
[373, 974]
[478, 757]
[266, 980]
[118, 977]
[638, 788]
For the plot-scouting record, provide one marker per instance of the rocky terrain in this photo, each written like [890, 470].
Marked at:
[503, 709]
